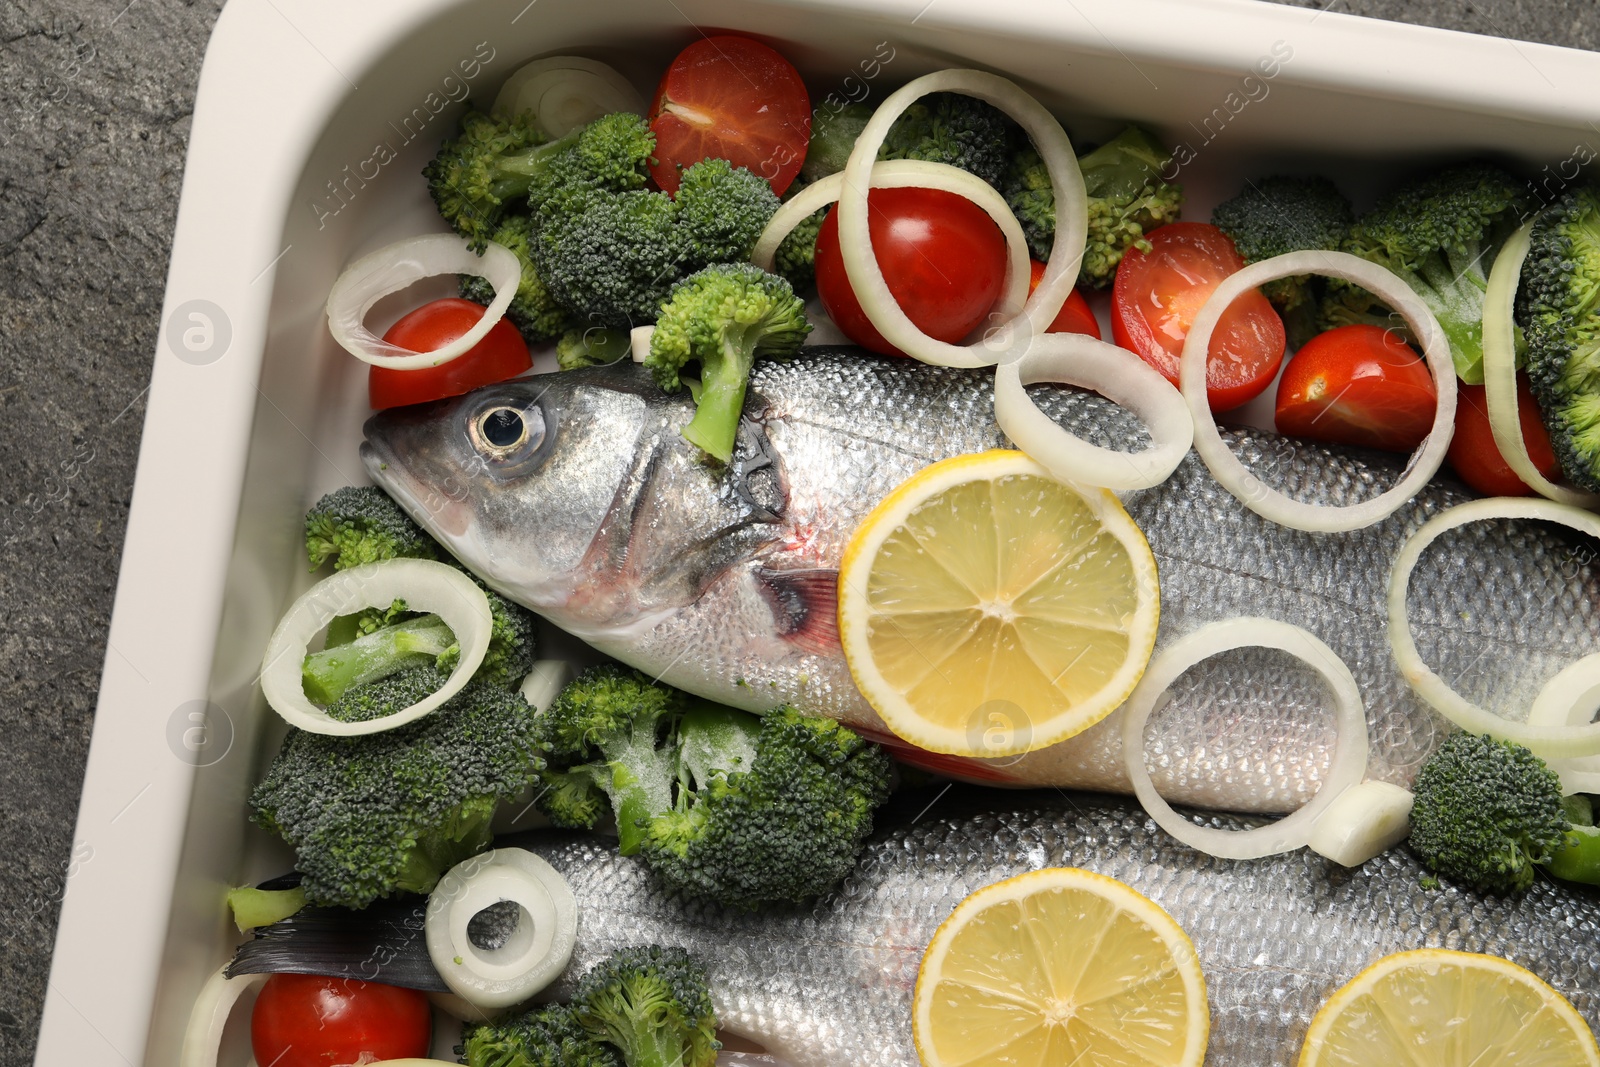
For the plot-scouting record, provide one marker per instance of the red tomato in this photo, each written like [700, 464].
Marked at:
[731, 98]
[500, 355]
[1475, 456]
[942, 256]
[1075, 315]
[1158, 293]
[1357, 385]
[305, 1020]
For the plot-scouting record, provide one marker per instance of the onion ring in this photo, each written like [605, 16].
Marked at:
[1569, 699]
[855, 239]
[1115, 373]
[1225, 466]
[538, 949]
[1500, 373]
[1551, 737]
[202, 1040]
[392, 268]
[565, 93]
[1346, 769]
[424, 585]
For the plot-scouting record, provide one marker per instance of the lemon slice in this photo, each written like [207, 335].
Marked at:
[1439, 1008]
[988, 609]
[1060, 966]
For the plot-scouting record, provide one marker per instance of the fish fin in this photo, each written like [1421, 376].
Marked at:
[805, 604]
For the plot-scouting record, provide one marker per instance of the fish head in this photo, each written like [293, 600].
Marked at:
[516, 479]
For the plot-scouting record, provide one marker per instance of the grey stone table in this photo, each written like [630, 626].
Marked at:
[95, 99]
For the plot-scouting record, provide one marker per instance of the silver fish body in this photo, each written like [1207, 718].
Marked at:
[832, 986]
[720, 580]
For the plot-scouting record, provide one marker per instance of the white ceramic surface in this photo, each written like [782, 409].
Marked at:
[311, 124]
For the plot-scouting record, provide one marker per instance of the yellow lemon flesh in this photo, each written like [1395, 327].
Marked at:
[1439, 1008]
[988, 609]
[1060, 966]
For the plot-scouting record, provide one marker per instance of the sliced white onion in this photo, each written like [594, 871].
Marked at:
[855, 239]
[424, 585]
[639, 342]
[393, 268]
[913, 174]
[1347, 767]
[1500, 373]
[202, 1041]
[539, 948]
[1550, 737]
[566, 92]
[1225, 466]
[1115, 373]
[1570, 699]
[1364, 821]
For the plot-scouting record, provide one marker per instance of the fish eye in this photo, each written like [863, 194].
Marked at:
[504, 432]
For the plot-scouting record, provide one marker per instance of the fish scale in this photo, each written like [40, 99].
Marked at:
[685, 586]
[833, 986]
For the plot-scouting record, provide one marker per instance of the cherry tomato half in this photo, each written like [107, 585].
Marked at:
[307, 1020]
[942, 256]
[1357, 385]
[1158, 293]
[500, 355]
[1477, 459]
[1075, 316]
[731, 98]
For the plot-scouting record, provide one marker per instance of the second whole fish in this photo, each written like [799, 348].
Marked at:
[831, 985]
[575, 495]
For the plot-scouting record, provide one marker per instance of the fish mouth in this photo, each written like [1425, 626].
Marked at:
[446, 519]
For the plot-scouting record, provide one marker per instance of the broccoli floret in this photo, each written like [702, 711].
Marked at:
[653, 1004]
[722, 210]
[390, 812]
[593, 347]
[484, 172]
[545, 1036]
[1282, 214]
[1126, 199]
[833, 135]
[611, 733]
[796, 258]
[725, 806]
[360, 524]
[612, 256]
[958, 130]
[1440, 234]
[612, 153]
[777, 818]
[609, 250]
[1486, 813]
[1558, 308]
[533, 311]
[723, 317]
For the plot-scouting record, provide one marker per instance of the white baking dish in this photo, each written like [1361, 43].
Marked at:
[300, 161]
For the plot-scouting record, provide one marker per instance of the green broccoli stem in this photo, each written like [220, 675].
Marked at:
[722, 386]
[644, 1041]
[326, 675]
[635, 803]
[263, 907]
[519, 171]
[1578, 858]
